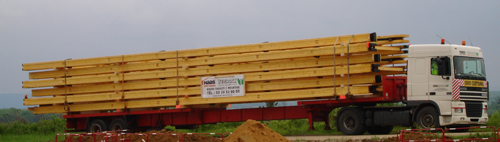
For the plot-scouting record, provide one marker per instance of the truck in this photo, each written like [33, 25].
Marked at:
[445, 86]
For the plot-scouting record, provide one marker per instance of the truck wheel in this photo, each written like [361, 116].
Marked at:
[117, 124]
[379, 129]
[350, 122]
[97, 125]
[428, 117]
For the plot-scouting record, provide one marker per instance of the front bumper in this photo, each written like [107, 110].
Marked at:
[460, 118]
[469, 120]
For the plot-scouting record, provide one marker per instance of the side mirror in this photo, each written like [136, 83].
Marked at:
[439, 61]
[441, 66]
[444, 67]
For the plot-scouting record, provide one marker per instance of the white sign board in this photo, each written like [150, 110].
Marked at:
[222, 86]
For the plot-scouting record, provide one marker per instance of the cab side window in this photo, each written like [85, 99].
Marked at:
[434, 67]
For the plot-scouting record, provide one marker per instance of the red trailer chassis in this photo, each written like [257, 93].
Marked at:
[394, 90]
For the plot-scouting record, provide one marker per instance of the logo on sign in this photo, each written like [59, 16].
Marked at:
[208, 82]
[241, 81]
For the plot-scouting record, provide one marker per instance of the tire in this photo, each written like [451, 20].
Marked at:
[379, 129]
[97, 125]
[428, 117]
[351, 121]
[117, 124]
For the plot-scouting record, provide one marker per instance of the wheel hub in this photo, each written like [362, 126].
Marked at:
[96, 128]
[427, 120]
[349, 122]
[116, 127]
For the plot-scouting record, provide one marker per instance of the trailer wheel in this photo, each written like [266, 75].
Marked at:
[350, 122]
[117, 124]
[428, 117]
[379, 129]
[97, 125]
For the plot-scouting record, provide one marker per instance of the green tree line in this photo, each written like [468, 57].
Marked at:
[17, 121]
[13, 114]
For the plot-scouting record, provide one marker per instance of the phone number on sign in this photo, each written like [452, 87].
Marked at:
[219, 92]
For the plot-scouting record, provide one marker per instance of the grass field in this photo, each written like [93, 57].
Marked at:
[27, 137]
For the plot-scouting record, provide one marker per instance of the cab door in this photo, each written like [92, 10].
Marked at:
[440, 79]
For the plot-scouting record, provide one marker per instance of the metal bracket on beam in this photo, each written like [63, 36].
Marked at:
[371, 46]
[373, 89]
[349, 96]
[373, 37]
[375, 67]
[336, 97]
[378, 78]
[377, 57]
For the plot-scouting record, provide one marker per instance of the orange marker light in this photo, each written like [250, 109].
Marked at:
[25, 96]
[463, 43]
[442, 41]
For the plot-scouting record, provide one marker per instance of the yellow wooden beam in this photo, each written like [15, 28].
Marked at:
[388, 42]
[223, 59]
[383, 68]
[383, 52]
[253, 86]
[260, 76]
[168, 102]
[293, 44]
[388, 48]
[221, 69]
[393, 36]
[395, 57]
[392, 62]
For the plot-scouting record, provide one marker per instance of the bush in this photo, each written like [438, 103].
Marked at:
[494, 119]
[47, 126]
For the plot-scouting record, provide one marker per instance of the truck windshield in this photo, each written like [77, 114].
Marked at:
[469, 68]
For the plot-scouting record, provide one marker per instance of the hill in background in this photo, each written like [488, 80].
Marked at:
[23, 115]
[12, 100]
[493, 102]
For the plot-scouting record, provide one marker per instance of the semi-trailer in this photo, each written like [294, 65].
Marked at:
[434, 85]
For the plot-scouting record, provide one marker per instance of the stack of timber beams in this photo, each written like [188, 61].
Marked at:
[329, 67]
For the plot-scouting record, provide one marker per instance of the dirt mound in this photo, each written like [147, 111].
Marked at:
[254, 131]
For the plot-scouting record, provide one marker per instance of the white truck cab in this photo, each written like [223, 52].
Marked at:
[453, 79]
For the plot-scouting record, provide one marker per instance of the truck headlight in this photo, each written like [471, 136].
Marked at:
[459, 110]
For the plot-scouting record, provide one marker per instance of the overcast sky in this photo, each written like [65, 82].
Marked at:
[34, 31]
